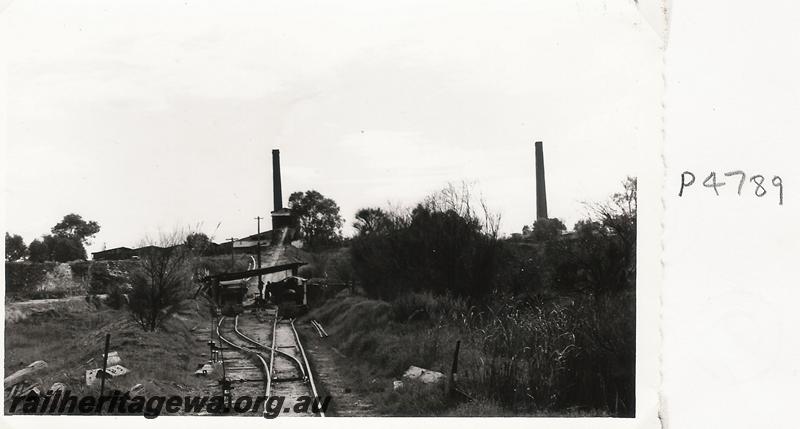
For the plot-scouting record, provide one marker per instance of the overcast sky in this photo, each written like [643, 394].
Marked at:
[147, 115]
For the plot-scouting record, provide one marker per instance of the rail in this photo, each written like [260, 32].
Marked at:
[305, 360]
[271, 349]
[267, 368]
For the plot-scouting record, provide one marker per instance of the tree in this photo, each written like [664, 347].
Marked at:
[317, 216]
[54, 248]
[72, 226]
[598, 256]
[38, 251]
[15, 247]
[374, 221]
[547, 229]
[618, 214]
[65, 249]
[198, 243]
[66, 241]
[161, 282]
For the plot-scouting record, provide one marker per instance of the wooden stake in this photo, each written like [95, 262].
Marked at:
[105, 362]
[452, 377]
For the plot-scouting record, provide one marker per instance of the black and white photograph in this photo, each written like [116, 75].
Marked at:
[332, 209]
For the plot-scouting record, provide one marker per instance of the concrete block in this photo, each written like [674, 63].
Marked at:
[117, 370]
[205, 370]
[93, 375]
[113, 358]
[423, 375]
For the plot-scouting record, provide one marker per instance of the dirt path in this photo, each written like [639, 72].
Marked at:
[327, 365]
[20, 310]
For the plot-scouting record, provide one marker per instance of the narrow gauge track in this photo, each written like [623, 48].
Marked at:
[238, 359]
[284, 367]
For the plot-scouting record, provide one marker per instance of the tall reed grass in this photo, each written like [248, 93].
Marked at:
[526, 357]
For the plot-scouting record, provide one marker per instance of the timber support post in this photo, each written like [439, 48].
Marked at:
[103, 373]
[452, 377]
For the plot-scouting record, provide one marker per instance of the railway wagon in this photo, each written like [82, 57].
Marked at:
[290, 289]
[289, 294]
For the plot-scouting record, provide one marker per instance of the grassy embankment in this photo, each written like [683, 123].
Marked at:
[72, 341]
[510, 363]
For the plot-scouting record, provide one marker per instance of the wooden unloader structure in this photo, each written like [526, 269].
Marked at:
[228, 290]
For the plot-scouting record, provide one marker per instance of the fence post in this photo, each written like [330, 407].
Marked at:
[103, 373]
[452, 378]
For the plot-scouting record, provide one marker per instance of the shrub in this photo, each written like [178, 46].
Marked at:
[102, 279]
[161, 282]
[116, 297]
[318, 266]
[25, 277]
[433, 249]
[342, 269]
[81, 271]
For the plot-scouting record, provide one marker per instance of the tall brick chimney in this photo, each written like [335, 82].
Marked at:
[541, 194]
[277, 197]
[281, 217]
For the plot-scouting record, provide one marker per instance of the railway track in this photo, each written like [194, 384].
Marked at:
[280, 369]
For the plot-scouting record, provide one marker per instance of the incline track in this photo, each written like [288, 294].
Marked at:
[284, 368]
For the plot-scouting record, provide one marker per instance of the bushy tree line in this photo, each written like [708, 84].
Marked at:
[572, 288]
[442, 245]
[65, 242]
[597, 257]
